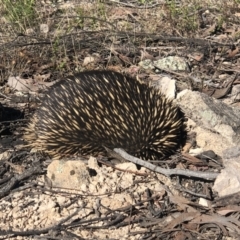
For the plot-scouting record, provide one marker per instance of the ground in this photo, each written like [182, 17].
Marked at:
[43, 41]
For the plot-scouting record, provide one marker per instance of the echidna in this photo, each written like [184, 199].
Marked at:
[100, 109]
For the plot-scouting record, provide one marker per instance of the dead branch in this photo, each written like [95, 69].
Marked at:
[166, 172]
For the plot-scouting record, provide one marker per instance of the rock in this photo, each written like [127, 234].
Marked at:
[234, 97]
[44, 28]
[93, 164]
[146, 64]
[217, 122]
[230, 153]
[228, 182]
[19, 84]
[173, 63]
[217, 129]
[167, 86]
[68, 174]
[209, 140]
[88, 60]
[203, 202]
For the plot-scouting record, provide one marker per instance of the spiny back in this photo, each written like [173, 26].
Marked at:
[100, 109]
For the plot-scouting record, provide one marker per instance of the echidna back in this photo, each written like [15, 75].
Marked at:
[106, 109]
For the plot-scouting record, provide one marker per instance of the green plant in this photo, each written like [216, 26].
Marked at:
[80, 21]
[20, 13]
[101, 9]
[184, 17]
[220, 22]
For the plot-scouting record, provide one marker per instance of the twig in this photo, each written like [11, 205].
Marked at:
[17, 178]
[117, 168]
[3, 95]
[166, 172]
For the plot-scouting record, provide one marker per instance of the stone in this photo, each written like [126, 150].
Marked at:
[68, 174]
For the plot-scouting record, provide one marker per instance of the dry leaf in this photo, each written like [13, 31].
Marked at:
[232, 53]
[196, 56]
[184, 217]
[146, 55]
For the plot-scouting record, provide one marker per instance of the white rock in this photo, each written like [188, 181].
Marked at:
[88, 60]
[167, 86]
[228, 181]
[195, 151]
[217, 123]
[203, 202]
[68, 174]
[44, 28]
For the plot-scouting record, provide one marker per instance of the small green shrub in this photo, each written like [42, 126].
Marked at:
[20, 13]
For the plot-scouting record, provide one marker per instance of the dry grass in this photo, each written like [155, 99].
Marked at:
[66, 33]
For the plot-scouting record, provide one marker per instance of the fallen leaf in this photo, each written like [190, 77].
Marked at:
[232, 53]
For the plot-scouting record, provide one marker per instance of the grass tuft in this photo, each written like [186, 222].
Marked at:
[20, 13]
